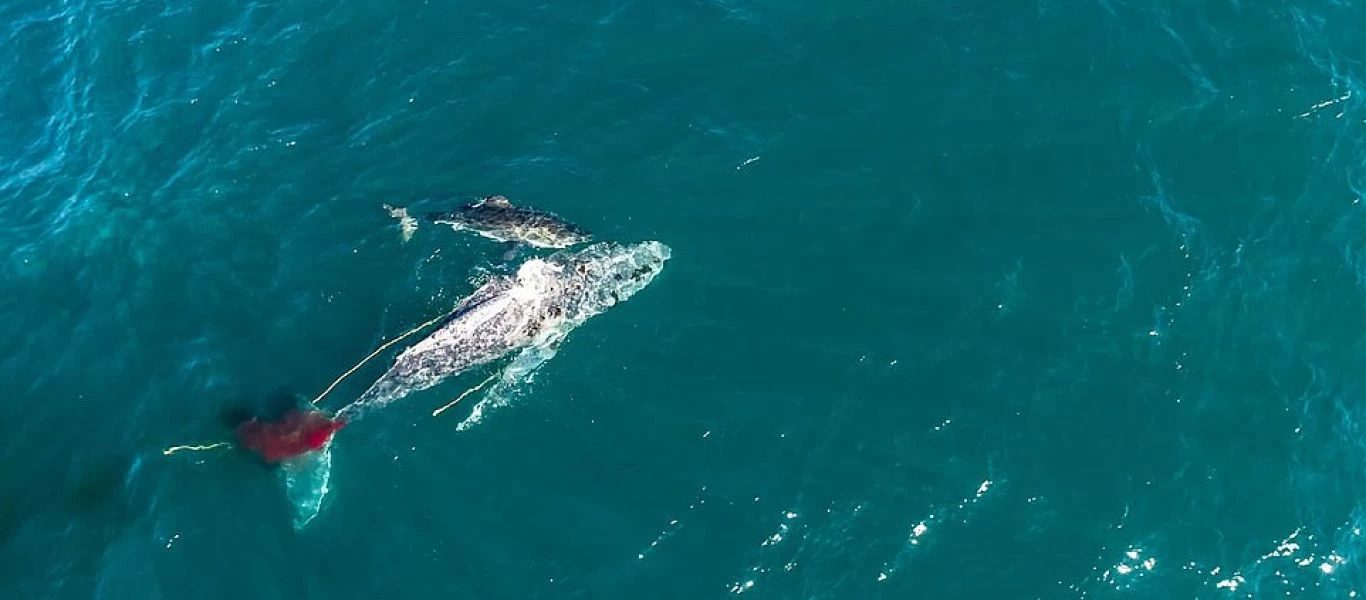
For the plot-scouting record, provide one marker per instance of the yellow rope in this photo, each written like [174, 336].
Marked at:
[376, 352]
[462, 396]
[175, 449]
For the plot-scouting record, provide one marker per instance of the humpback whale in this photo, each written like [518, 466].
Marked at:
[538, 305]
[531, 311]
[496, 218]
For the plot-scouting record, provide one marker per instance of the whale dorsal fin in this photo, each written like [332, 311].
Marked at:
[499, 201]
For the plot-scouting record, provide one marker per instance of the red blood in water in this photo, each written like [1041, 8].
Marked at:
[297, 433]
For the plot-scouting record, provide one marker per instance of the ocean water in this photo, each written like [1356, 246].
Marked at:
[983, 300]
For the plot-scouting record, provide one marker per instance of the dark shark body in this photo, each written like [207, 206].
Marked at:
[498, 219]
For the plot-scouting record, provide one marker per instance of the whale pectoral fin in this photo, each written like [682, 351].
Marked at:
[549, 344]
[510, 250]
[552, 347]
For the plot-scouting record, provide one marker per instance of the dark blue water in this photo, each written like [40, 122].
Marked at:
[1038, 300]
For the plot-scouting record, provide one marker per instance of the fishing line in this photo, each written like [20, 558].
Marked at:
[379, 350]
[175, 449]
[462, 396]
[203, 447]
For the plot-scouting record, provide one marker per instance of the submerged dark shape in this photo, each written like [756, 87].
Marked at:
[272, 408]
[496, 218]
[297, 433]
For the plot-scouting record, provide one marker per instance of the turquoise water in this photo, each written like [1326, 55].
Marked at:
[1038, 300]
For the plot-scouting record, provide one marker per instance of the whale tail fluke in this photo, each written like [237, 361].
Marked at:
[301, 444]
[406, 223]
[306, 483]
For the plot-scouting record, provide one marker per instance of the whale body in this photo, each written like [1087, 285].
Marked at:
[496, 218]
[538, 305]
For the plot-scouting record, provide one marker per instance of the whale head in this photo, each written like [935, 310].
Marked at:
[604, 274]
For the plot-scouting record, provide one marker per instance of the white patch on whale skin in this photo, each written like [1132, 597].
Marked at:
[492, 235]
[535, 281]
[533, 237]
